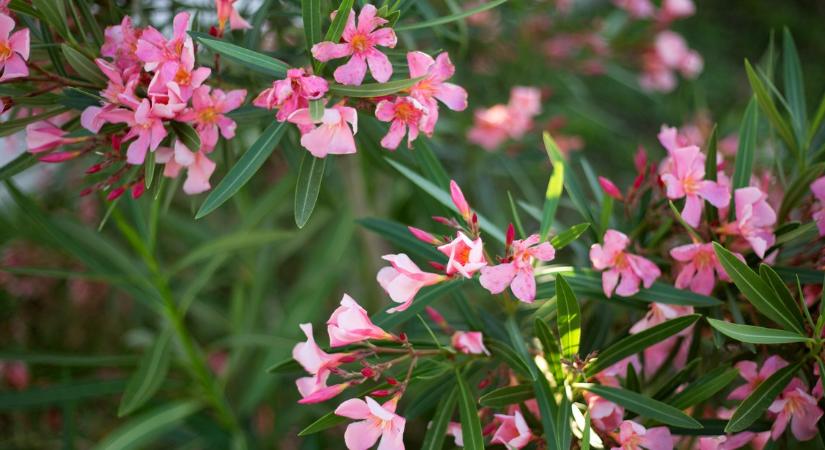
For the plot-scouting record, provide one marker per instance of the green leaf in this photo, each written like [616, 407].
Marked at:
[368, 90]
[444, 198]
[285, 366]
[316, 110]
[760, 399]
[310, 176]
[450, 18]
[755, 335]
[552, 354]
[747, 148]
[55, 394]
[17, 165]
[643, 405]
[223, 245]
[757, 291]
[781, 290]
[430, 166]
[569, 319]
[145, 382]
[249, 58]
[569, 235]
[504, 352]
[552, 197]
[571, 184]
[336, 28]
[470, 423]
[635, 343]
[799, 189]
[765, 101]
[53, 13]
[243, 170]
[143, 430]
[794, 85]
[509, 395]
[401, 237]
[585, 441]
[187, 135]
[704, 388]
[437, 431]
[84, 66]
[311, 13]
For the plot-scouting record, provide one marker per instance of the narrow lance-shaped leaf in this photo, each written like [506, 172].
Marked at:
[310, 176]
[757, 291]
[437, 431]
[143, 430]
[243, 170]
[569, 235]
[83, 65]
[781, 291]
[146, 381]
[249, 58]
[756, 335]
[552, 197]
[509, 395]
[470, 423]
[761, 398]
[311, 12]
[704, 388]
[187, 135]
[747, 147]
[643, 405]
[17, 165]
[794, 85]
[569, 319]
[368, 90]
[765, 100]
[570, 182]
[450, 18]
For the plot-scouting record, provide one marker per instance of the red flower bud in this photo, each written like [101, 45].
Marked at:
[347, 359]
[610, 189]
[117, 192]
[86, 192]
[138, 189]
[403, 337]
[367, 372]
[511, 234]
[640, 160]
[392, 381]
[116, 140]
[380, 393]
[94, 169]
[437, 266]
[484, 383]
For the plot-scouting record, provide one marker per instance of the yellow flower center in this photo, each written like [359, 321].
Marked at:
[208, 115]
[183, 77]
[405, 112]
[360, 42]
[5, 51]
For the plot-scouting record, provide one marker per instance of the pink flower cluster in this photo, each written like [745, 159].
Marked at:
[669, 54]
[333, 132]
[494, 125]
[143, 60]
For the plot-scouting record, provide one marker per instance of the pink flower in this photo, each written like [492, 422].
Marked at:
[180, 75]
[120, 44]
[407, 115]
[318, 363]
[404, 279]
[360, 42]
[466, 255]
[469, 342]
[155, 51]
[683, 174]
[454, 429]
[490, 127]
[512, 431]
[638, 9]
[460, 201]
[43, 136]
[748, 371]
[605, 415]
[633, 436]
[292, 93]
[374, 421]
[350, 324]
[14, 50]
[700, 267]
[524, 104]
[798, 407]
[16, 374]
[657, 354]
[632, 269]
[147, 125]
[517, 272]
[226, 11]
[754, 219]
[333, 134]
[434, 86]
[677, 9]
[199, 168]
[208, 114]
[673, 51]
[818, 188]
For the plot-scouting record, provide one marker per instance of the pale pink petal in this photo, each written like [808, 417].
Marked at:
[352, 73]
[325, 51]
[19, 43]
[496, 278]
[609, 280]
[384, 37]
[354, 408]
[452, 95]
[692, 212]
[524, 286]
[419, 63]
[361, 435]
[380, 66]
[393, 138]
[385, 111]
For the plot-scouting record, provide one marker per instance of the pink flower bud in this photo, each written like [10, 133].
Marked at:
[380, 393]
[459, 201]
[423, 236]
[610, 189]
[367, 372]
[138, 189]
[392, 381]
[58, 157]
[435, 316]
[640, 160]
[511, 234]
[94, 169]
[117, 192]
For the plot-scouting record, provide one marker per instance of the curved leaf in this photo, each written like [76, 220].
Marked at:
[310, 176]
[437, 431]
[643, 405]
[470, 423]
[249, 58]
[367, 90]
[569, 318]
[505, 396]
[450, 18]
[142, 430]
[755, 335]
[761, 398]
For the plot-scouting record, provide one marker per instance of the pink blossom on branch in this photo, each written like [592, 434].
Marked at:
[466, 255]
[798, 407]
[208, 114]
[633, 436]
[199, 168]
[748, 371]
[404, 279]
[292, 93]
[460, 202]
[434, 87]
[469, 342]
[700, 267]
[374, 422]
[227, 12]
[657, 354]
[14, 50]
[332, 135]
[512, 431]
[318, 363]
[517, 272]
[408, 116]
[349, 324]
[621, 268]
[754, 220]
[683, 174]
[360, 42]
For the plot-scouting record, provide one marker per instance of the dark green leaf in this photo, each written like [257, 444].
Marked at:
[704, 388]
[310, 176]
[644, 406]
[187, 135]
[336, 28]
[17, 165]
[55, 394]
[504, 352]
[401, 237]
[470, 423]
[781, 291]
[506, 396]
[145, 382]
[765, 101]
[311, 12]
[758, 401]
[747, 148]
[249, 58]
[437, 431]
[144, 429]
[755, 335]
[13, 126]
[84, 66]
[450, 18]
[794, 85]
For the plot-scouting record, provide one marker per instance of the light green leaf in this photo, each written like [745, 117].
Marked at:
[765, 101]
[509, 395]
[571, 184]
[552, 197]
[569, 235]
[145, 382]
[761, 398]
[243, 170]
[368, 90]
[310, 176]
[756, 335]
[642, 405]
[84, 66]
[248, 58]
[437, 431]
[794, 85]
[470, 423]
[569, 319]
[552, 353]
[450, 18]
[17, 165]
[336, 28]
[704, 388]
[142, 430]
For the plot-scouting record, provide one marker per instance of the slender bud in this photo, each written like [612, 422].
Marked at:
[437, 266]
[392, 381]
[511, 234]
[117, 192]
[367, 372]
[423, 236]
[380, 393]
[640, 160]
[94, 169]
[610, 189]
[58, 157]
[459, 201]
[138, 189]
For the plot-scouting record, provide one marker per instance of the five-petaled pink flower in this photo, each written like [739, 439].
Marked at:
[512, 431]
[469, 342]
[619, 264]
[318, 363]
[155, 51]
[350, 323]
[404, 279]
[633, 436]
[199, 168]
[44, 135]
[292, 93]
[683, 174]
[208, 114]
[517, 271]
[374, 421]
[14, 50]
[360, 42]
[818, 188]
[799, 408]
[227, 12]
[700, 267]
[147, 126]
[754, 219]
[466, 255]
[408, 116]
[332, 135]
[605, 415]
[748, 371]
[434, 86]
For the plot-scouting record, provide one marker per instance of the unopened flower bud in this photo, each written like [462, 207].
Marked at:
[610, 189]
